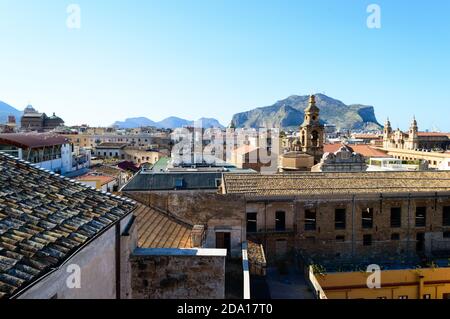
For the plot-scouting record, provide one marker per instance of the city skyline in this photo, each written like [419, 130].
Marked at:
[203, 59]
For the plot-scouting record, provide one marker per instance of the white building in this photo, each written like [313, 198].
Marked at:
[49, 151]
[445, 165]
[394, 164]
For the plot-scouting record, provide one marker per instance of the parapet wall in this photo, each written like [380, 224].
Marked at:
[178, 274]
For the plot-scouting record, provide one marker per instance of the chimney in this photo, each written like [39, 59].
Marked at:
[198, 235]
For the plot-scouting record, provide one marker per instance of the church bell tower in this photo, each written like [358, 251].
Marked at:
[312, 131]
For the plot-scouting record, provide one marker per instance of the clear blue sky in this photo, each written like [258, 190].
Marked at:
[214, 58]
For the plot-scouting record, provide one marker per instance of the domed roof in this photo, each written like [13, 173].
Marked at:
[30, 109]
[54, 117]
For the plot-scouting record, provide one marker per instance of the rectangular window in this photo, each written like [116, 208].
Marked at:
[395, 236]
[367, 218]
[446, 234]
[446, 216]
[339, 218]
[396, 217]
[367, 240]
[179, 183]
[310, 220]
[280, 221]
[421, 213]
[340, 238]
[251, 222]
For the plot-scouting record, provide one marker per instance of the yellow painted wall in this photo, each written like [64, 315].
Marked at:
[394, 283]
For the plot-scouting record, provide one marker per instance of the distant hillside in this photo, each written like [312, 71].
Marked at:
[170, 122]
[135, 122]
[288, 113]
[6, 110]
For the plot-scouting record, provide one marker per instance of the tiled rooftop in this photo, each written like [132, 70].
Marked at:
[363, 149]
[336, 183]
[157, 229]
[44, 218]
[32, 140]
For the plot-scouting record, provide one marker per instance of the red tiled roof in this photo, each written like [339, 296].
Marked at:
[433, 134]
[102, 178]
[366, 136]
[32, 140]
[363, 149]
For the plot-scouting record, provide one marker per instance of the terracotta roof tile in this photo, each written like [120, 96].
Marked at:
[159, 229]
[363, 149]
[336, 183]
[44, 218]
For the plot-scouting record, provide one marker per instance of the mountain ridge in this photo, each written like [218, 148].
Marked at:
[6, 110]
[289, 113]
[169, 122]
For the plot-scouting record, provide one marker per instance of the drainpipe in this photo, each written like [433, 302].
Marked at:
[409, 227]
[421, 286]
[353, 225]
[118, 270]
[265, 224]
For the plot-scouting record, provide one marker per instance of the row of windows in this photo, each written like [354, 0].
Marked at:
[367, 239]
[367, 218]
[340, 217]
[280, 222]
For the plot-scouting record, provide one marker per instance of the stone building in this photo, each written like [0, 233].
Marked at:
[32, 120]
[344, 159]
[192, 196]
[413, 139]
[346, 216]
[295, 161]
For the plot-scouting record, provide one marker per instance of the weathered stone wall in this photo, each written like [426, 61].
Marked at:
[220, 213]
[196, 207]
[178, 277]
[323, 242]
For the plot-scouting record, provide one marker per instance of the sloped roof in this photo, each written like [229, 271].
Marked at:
[44, 219]
[433, 134]
[150, 181]
[325, 183]
[32, 140]
[158, 229]
[93, 177]
[111, 145]
[363, 149]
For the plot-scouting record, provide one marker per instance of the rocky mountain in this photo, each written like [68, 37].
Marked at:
[6, 110]
[135, 122]
[288, 114]
[170, 122]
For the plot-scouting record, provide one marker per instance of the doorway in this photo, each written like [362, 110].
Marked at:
[223, 241]
[420, 242]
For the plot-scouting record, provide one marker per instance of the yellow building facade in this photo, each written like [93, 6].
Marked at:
[421, 283]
